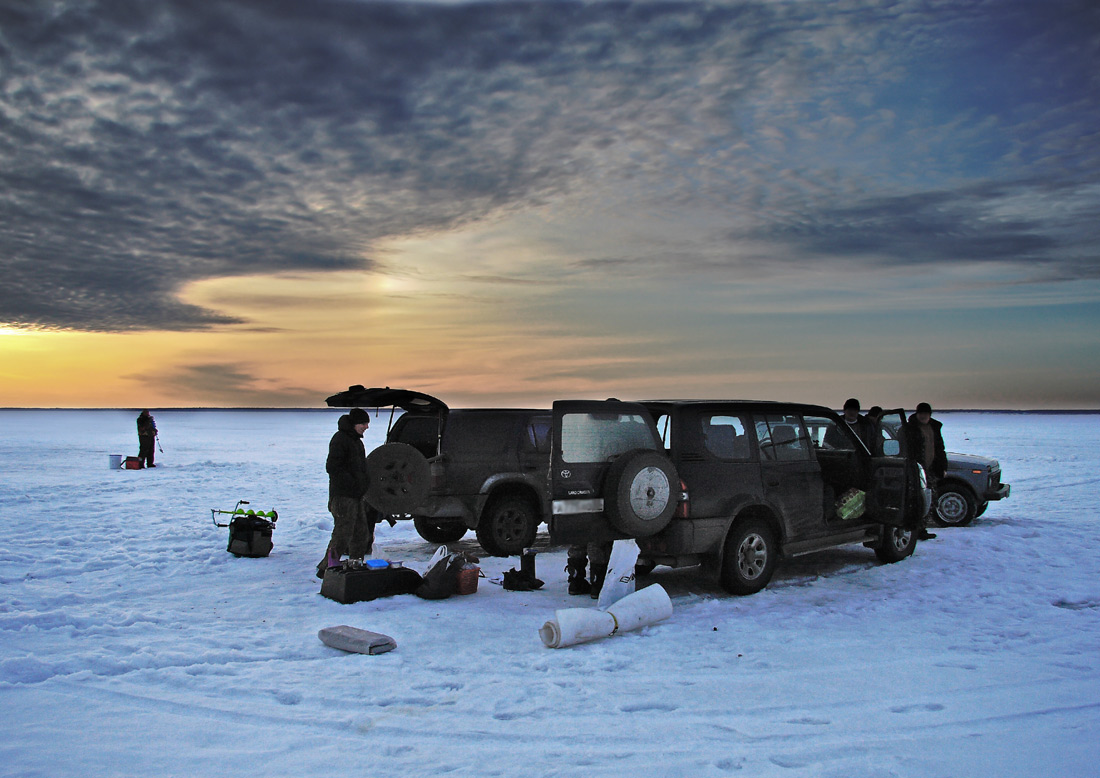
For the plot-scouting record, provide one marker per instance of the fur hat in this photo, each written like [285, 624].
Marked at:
[924, 408]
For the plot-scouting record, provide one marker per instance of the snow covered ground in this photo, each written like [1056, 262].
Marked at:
[132, 644]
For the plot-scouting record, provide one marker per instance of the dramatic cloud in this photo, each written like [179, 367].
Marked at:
[147, 145]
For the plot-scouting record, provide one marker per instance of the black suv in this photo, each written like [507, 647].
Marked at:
[731, 485]
[486, 468]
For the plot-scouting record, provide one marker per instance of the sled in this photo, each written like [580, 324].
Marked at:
[357, 641]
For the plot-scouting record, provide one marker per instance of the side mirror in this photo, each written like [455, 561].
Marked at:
[891, 448]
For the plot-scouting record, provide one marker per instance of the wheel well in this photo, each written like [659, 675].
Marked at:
[959, 484]
[746, 514]
[513, 490]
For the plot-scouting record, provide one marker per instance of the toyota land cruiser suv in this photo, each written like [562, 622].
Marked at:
[486, 468]
[731, 485]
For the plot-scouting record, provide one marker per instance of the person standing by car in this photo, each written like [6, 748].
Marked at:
[925, 438]
[346, 465]
[147, 438]
[860, 425]
[594, 555]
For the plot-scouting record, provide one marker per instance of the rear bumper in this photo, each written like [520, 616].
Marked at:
[575, 528]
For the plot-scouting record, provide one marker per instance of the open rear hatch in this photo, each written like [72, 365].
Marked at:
[407, 400]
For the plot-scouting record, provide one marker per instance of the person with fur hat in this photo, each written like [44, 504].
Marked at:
[925, 440]
[346, 465]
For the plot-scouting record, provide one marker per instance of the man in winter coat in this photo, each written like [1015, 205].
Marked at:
[925, 438]
[352, 519]
[147, 438]
[861, 426]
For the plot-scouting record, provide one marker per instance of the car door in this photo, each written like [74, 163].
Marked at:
[893, 495]
[587, 437]
[791, 474]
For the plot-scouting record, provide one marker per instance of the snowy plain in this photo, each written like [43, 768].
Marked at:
[132, 644]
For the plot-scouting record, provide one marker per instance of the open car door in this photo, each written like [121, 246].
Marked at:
[895, 494]
[609, 476]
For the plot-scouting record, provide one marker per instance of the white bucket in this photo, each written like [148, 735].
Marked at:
[116, 461]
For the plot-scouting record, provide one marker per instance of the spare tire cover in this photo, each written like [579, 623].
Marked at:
[399, 478]
[641, 493]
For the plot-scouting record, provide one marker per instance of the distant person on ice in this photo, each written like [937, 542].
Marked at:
[352, 519]
[147, 437]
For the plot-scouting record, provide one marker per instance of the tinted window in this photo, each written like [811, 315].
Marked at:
[781, 438]
[587, 437]
[826, 435]
[476, 435]
[725, 436]
[664, 429]
[420, 432]
[538, 434]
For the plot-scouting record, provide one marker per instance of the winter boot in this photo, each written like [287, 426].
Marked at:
[599, 572]
[578, 583]
[331, 560]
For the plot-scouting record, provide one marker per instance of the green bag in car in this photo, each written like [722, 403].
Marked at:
[851, 504]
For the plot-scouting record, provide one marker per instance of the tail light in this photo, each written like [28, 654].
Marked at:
[683, 508]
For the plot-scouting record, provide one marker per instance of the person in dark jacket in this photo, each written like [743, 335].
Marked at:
[924, 436]
[860, 425]
[346, 465]
[147, 438]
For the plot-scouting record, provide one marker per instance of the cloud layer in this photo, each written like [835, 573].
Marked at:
[147, 145]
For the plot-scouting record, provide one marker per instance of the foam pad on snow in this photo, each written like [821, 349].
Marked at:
[359, 641]
[578, 625]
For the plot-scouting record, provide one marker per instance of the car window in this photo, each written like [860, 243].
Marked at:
[890, 430]
[725, 436]
[420, 432]
[826, 435]
[664, 429]
[781, 438]
[538, 434]
[590, 437]
[479, 435]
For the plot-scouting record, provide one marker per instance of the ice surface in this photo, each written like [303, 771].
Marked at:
[132, 644]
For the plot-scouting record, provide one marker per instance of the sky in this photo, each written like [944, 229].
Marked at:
[260, 203]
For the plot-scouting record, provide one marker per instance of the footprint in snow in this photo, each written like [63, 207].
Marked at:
[920, 706]
[642, 707]
[1076, 605]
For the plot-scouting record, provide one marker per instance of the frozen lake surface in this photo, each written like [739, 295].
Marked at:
[132, 644]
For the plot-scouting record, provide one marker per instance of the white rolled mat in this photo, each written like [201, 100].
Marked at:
[578, 625]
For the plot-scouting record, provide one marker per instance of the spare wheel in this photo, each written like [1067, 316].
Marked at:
[399, 478]
[641, 493]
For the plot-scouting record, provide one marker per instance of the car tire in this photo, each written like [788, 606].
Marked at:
[508, 525]
[750, 556]
[896, 544]
[439, 531]
[399, 479]
[641, 493]
[955, 507]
